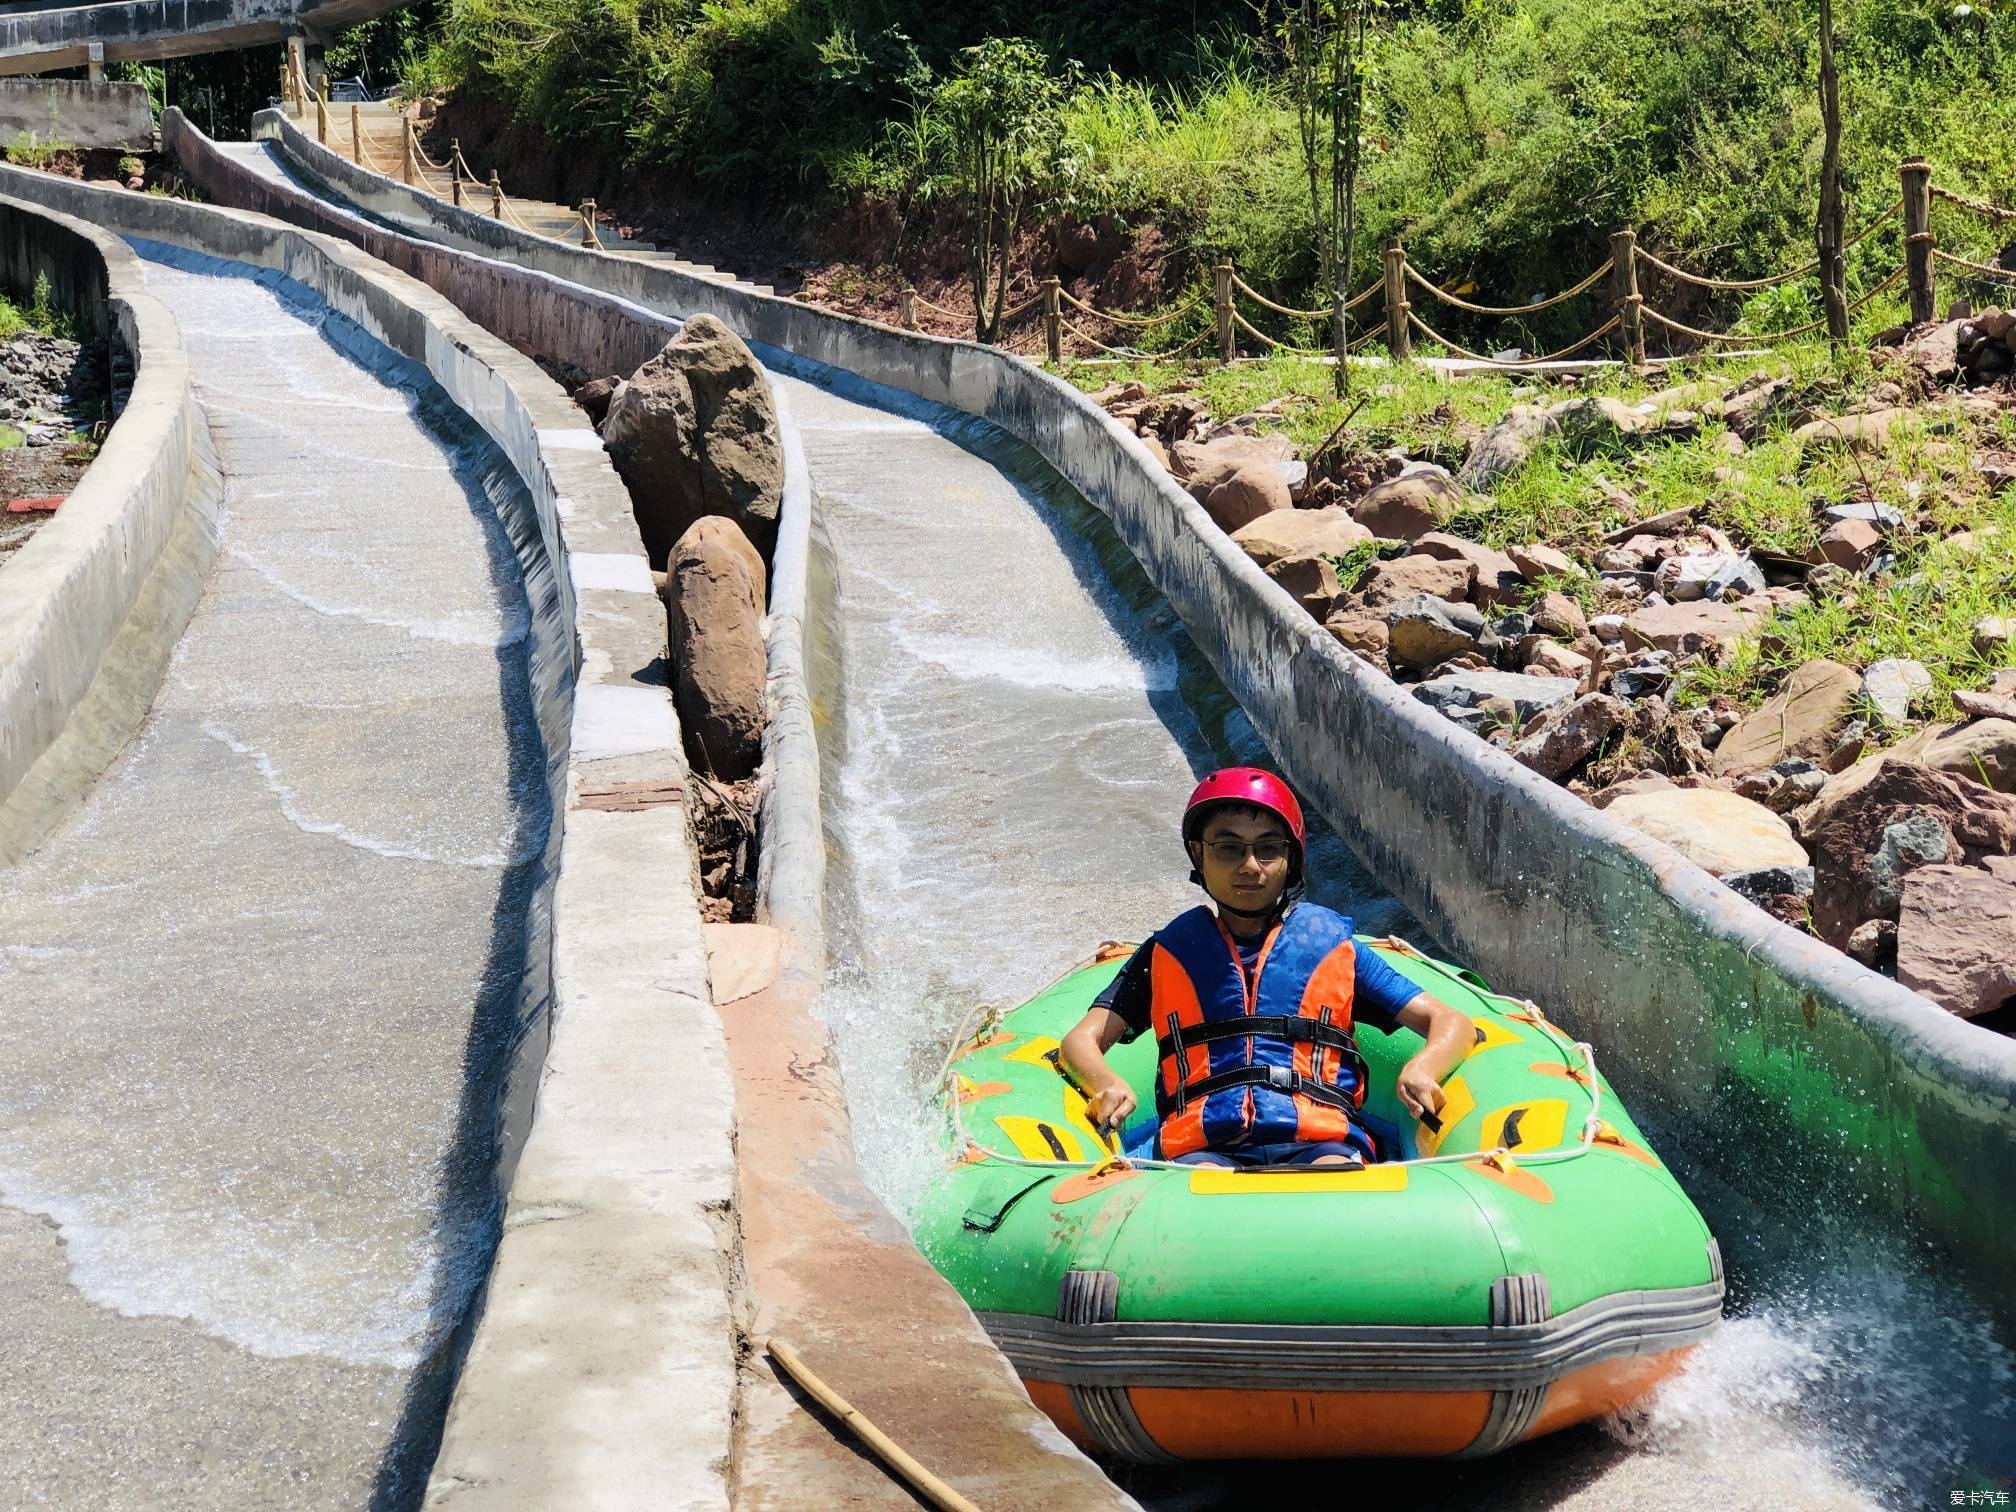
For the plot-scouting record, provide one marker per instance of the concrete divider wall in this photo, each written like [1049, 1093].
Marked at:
[67, 593]
[607, 1316]
[1775, 1059]
[76, 112]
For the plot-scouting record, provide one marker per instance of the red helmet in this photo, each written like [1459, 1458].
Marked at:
[1247, 785]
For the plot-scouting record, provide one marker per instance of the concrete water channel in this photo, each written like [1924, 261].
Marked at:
[256, 1206]
[257, 994]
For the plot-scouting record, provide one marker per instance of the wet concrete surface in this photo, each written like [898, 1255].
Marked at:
[255, 995]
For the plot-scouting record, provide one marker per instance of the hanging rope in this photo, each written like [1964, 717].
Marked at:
[1143, 322]
[1545, 304]
[1767, 338]
[1986, 270]
[1979, 207]
[1434, 335]
[1740, 284]
[1132, 353]
[1262, 300]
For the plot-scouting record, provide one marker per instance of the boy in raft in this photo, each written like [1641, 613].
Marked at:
[1253, 1006]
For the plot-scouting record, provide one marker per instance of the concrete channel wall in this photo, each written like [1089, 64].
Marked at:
[602, 1368]
[76, 112]
[1773, 1058]
[68, 594]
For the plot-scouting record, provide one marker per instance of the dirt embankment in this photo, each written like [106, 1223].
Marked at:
[852, 254]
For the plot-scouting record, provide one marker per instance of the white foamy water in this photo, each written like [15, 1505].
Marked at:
[1016, 723]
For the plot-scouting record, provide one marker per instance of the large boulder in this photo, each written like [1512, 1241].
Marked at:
[1506, 445]
[1978, 750]
[1424, 631]
[694, 432]
[1865, 433]
[1312, 578]
[1203, 465]
[1293, 532]
[1408, 507]
[1956, 937]
[1404, 577]
[1571, 734]
[1714, 829]
[1800, 721]
[1251, 490]
[1866, 837]
[1497, 579]
[1691, 629]
[714, 592]
[1462, 695]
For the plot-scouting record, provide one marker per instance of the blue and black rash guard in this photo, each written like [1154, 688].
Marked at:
[1377, 998]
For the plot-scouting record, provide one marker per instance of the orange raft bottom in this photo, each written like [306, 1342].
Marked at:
[1216, 1423]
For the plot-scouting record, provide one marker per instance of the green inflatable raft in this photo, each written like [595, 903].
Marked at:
[1527, 1265]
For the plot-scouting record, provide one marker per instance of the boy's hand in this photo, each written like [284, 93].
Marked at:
[1112, 1104]
[1419, 1089]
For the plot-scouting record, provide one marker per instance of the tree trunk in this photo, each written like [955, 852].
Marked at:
[1831, 229]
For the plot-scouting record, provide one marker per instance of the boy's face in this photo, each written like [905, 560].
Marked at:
[1243, 857]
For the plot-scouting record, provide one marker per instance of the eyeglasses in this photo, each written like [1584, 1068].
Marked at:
[1235, 852]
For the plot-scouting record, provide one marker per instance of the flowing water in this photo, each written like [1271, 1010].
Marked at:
[1016, 718]
[257, 994]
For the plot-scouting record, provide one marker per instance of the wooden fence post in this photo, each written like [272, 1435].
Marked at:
[1917, 176]
[496, 196]
[1624, 290]
[1053, 319]
[321, 119]
[356, 138]
[455, 170]
[906, 307]
[1221, 281]
[588, 236]
[1399, 335]
[406, 150]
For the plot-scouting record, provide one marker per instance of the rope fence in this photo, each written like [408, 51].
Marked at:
[1615, 280]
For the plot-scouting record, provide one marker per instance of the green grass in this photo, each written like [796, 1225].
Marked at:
[11, 438]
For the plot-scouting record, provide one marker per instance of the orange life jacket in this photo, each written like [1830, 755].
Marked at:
[1270, 1062]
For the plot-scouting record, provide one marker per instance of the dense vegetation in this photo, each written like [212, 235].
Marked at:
[1507, 136]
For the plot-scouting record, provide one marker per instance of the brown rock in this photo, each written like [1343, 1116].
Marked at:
[1800, 721]
[1750, 410]
[694, 432]
[1507, 444]
[1552, 659]
[1857, 433]
[1279, 533]
[1538, 560]
[1405, 509]
[1694, 628]
[1155, 448]
[1390, 582]
[1311, 578]
[1558, 614]
[1956, 938]
[1203, 465]
[1712, 828]
[1846, 826]
[1974, 750]
[1364, 633]
[1848, 544]
[714, 592]
[1624, 787]
[1252, 490]
[1935, 351]
[594, 396]
[1566, 737]
[1497, 579]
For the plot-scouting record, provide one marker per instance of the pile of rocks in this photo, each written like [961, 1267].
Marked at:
[694, 434]
[1974, 350]
[1567, 658]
